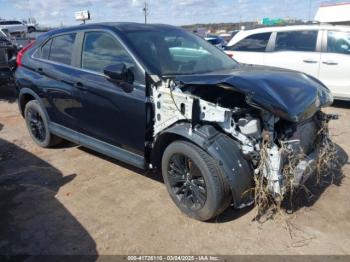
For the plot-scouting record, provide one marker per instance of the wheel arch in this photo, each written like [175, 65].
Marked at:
[222, 148]
[26, 95]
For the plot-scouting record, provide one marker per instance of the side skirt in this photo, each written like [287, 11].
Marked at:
[98, 146]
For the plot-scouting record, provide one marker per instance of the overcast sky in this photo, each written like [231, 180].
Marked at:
[177, 12]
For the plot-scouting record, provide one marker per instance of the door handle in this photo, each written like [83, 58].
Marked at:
[329, 62]
[310, 61]
[80, 86]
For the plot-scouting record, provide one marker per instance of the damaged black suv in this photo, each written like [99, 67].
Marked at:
[159, 97]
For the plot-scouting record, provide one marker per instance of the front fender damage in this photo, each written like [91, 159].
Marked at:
[237, 170]
[249, 144]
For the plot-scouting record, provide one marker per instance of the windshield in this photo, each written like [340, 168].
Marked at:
[177, 52]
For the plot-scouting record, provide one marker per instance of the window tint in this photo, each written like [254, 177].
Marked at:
[253, 43]
[100, 50]
[296, 41]
[62, 49]
[338, 42]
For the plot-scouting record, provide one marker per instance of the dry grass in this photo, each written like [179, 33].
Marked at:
[327, 168]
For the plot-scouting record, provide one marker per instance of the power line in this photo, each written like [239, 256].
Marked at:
[310, 5]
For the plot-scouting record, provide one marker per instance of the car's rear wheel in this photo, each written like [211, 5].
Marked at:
[194, 181]
[38, 127]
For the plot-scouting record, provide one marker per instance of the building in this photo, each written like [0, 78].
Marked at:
[334, 14]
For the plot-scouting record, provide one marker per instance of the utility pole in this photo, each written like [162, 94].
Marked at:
[145, 11]
[310, 5]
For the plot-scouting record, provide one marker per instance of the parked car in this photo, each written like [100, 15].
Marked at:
[14, 27]
[226, 37]
[8, 52]
[217, 41]
[159, 97]
[319, 50]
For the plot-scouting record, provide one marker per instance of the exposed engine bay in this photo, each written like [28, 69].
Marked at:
[269, 143]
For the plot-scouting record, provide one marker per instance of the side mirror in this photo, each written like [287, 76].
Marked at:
[119, 73]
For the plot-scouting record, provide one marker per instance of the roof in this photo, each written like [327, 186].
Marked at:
[121, 27]
[242, 34]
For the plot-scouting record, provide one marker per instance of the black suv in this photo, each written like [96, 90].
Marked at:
[159, 97]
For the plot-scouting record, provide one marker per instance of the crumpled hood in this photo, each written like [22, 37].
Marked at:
[291, 95]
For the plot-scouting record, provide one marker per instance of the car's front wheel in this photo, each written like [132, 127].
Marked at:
[38, 127]
[194, 181]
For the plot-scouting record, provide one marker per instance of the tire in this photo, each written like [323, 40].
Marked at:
[38, 127]
[202, 168]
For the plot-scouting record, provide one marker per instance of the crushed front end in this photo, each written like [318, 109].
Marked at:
[282, 147]
[292, 152]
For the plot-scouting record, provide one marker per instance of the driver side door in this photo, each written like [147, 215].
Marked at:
[107, 113]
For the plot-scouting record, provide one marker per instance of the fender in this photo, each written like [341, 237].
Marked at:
[221, 147]
[24, 91]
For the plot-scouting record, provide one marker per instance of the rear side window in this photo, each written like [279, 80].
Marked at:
[252, 43]
[62, 48]
[338, 42]
[102, 49]
[296, 41]
[45, 50]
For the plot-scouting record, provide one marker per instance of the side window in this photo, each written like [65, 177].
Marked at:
[45, 50]
[62, 48]
[102, 49]
[296, 41]
[253, 43]
[338, 42]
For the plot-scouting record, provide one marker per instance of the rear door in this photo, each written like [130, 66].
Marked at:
[108, 111]
[53, 66]
[335, 63]
[251, 49]
[296, 50]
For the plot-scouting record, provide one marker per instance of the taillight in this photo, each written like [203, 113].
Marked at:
[230, 55]
[22, 51]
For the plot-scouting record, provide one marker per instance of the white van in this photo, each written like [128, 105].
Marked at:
[320, 50]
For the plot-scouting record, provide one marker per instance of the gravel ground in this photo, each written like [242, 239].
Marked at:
[70, 200]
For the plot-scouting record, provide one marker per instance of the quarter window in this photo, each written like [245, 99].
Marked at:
[45, 50]
[62, 49]
[253, 43]
[338, 42]
[100, 50]
[296, 41]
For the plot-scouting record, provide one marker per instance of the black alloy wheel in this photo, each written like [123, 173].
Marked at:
[187, 182]
[195, 181]
[37, 125]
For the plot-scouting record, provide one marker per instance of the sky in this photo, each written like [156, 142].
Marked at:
[176, 12]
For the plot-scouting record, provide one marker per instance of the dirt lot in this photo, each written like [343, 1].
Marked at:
[69, 200]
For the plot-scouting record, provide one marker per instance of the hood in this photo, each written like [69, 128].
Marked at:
[291, 95]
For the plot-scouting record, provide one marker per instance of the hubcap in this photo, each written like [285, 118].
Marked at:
[187, 182]
[36, 124]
